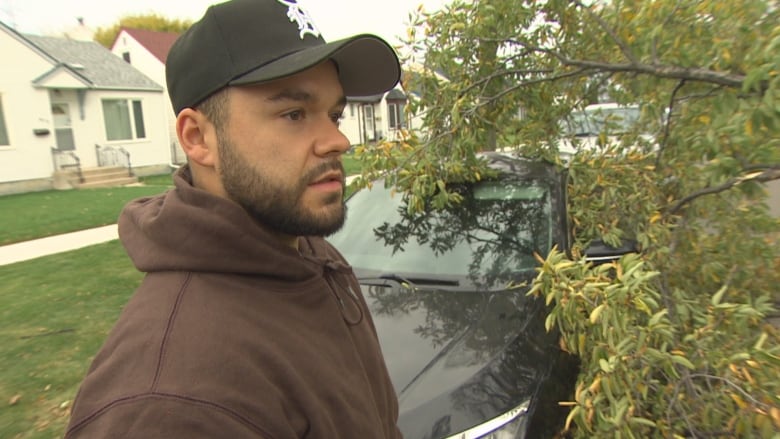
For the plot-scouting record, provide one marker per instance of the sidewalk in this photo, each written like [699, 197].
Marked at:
[23, 251]
[36, 248]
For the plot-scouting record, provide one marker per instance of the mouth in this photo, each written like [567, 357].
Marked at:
[329, 180]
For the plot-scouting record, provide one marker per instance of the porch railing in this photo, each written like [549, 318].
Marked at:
[63, 160]
[114, 156]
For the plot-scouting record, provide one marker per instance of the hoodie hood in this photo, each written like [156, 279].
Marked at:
[189, 229]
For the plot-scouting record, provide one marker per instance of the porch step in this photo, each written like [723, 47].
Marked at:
[108, 182]
[109, 176]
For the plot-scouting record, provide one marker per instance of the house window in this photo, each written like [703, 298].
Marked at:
[3, 130]
[124, 119]
[395, 113]
[126, 57]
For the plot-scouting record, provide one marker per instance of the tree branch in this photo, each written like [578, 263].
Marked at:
[667, 124]
[663, 71]
[603, 24]
[658, 70]
[668, 19]
[772, 172]
[522, 84]
[499, 74]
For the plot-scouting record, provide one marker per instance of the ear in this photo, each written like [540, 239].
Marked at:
[197, 137]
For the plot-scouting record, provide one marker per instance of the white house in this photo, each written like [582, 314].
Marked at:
[366, 119]
[65, 103]
[147, 51]
[375, 118]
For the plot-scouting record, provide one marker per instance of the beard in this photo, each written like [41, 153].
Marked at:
[275, 205]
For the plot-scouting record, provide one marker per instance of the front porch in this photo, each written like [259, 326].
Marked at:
[114, 169]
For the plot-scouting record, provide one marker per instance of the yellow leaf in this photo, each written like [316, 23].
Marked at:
[738, 400]
[571, 416]
[594, 315]
[749, 127]
[748, 376]
[774, 412]
[656, 216]
[595, 385]
[705, 119]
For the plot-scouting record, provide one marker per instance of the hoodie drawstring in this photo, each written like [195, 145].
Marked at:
[332, 276]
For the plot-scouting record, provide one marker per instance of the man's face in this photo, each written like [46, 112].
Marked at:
[280, 152]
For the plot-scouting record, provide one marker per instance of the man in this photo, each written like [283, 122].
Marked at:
[248, 324]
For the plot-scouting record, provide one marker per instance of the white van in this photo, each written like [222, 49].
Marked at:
[597, 126]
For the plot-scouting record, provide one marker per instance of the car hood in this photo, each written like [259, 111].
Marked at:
[460, 358]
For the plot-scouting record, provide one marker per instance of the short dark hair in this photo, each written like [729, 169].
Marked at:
[215, 108]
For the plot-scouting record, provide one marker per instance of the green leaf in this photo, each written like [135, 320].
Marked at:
[657, 317]
[718, 296]
[683, 362]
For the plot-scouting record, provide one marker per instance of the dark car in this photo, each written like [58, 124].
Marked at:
[466, 348]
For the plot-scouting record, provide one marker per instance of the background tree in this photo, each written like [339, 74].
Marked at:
[106, 35]
[674, 341]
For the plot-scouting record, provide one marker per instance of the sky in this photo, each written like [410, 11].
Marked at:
[334, 18]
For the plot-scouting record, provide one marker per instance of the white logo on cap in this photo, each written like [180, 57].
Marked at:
[301, 17]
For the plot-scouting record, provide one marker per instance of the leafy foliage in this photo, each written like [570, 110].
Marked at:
[154, 22]
[673, 341]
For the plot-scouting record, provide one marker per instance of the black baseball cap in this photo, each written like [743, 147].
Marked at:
[242, 42]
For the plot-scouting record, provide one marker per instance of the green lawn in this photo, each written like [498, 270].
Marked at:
[39, 214]
[351, 165]
[55, 312]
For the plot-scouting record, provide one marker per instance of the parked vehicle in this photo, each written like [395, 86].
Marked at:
[466, 348]
[598, 126]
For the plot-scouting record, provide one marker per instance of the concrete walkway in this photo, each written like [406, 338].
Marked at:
[36, 248]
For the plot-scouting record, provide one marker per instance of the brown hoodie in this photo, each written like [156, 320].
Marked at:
[233, 335]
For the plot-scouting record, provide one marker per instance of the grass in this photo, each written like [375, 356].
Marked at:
[55, 313]
[351, 164]
[40, 214]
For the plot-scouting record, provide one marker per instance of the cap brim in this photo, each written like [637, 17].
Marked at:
[367, 65]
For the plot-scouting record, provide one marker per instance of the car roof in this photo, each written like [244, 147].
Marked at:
[517, 165]
[608, 106]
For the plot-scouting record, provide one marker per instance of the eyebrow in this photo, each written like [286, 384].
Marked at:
[300, 96]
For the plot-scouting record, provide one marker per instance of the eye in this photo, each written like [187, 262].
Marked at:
[294, 115]
[337, 116]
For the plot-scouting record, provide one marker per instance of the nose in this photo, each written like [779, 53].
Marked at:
[331, 140]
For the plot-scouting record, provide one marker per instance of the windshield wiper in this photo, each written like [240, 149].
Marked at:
[409, 282]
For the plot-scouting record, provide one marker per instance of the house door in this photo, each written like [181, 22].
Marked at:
[368, 123]
[63, 130]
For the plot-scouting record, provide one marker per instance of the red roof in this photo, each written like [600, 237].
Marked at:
[158, 43]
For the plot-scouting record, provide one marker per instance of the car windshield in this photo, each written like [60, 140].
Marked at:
[592, 122]
[488, 237]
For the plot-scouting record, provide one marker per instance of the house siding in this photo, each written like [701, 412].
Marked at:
[25, 109]
[147, 63]
[90, 130]
[36, 80]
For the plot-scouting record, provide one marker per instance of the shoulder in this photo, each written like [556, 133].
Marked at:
[155, 415]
